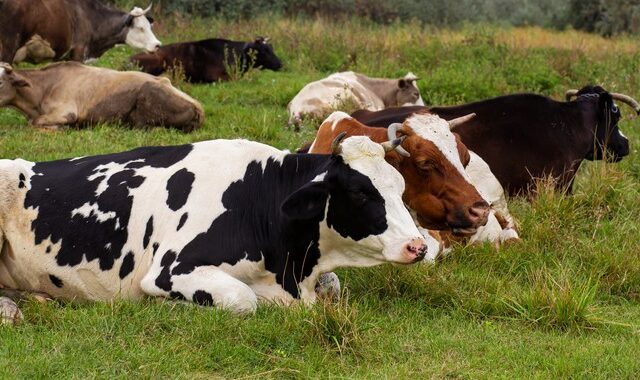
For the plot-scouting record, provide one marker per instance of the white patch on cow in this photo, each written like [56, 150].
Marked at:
[77, 158]
[433, 128]
[91, 209]
[2, 72]
[319, 177]
[622, 134]
[140, 35]
[106, 171]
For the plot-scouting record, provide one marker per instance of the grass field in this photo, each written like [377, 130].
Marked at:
[563, 303]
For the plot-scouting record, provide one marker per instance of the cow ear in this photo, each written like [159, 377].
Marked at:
[402, 83]
[308, 202]
[128, 22]
[150, 19]
[17, 81]
[465, 156]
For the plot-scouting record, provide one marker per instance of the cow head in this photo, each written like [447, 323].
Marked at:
[359, 199]
[437, 186]
[10, 81]
[264, 55]
[408, 93]
[607, 134]
[139, 34]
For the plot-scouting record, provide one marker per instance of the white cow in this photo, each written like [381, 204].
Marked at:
[321, 97]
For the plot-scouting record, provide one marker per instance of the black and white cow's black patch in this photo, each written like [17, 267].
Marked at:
[56, 281]
[179, 187]
[202, 298]
[183, 220]
[148, 231]
[127, 265]
[254, 227]
[89, 224]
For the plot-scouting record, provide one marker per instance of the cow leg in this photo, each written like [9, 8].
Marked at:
[205, 285]
[158, 104]
[55, 120]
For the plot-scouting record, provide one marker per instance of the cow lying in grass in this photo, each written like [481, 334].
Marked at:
[207, 61]
[222, 222]
[73, 94]
[320, 97]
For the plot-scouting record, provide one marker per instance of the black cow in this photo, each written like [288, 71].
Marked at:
[527, 136]
[79, 30]
[220, 222]
[208, 61]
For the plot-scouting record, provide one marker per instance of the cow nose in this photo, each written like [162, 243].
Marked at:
[157, 46]
[416, 250]
[479, 213]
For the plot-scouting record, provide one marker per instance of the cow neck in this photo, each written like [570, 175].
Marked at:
[110, 30]
[29, 99]
[385, 89]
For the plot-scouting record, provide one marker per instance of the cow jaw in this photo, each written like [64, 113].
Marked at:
[139, 34]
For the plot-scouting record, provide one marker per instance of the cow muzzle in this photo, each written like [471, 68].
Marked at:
[468, 221]
[413, 251]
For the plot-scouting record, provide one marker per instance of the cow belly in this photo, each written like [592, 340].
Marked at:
[32, 270]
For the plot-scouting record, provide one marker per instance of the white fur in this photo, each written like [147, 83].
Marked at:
[140, 35]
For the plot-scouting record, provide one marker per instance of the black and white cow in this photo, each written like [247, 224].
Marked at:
[222, 222]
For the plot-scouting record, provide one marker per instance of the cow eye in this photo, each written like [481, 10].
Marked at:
[358, 197]
[614, 109]
[425, 166]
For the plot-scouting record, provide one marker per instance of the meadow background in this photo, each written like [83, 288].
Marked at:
[565, 302]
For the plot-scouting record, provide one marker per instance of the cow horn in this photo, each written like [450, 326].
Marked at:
[570, 94]
[460, 120]
[393, 144]
[335, 145]
[265, 40]
[627, 100]
[144, 12]
[391, 133]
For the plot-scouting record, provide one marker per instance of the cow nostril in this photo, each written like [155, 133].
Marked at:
[479, 210]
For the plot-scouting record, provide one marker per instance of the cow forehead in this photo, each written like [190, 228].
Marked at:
[435, 129]
[359, 147]
[367, 157]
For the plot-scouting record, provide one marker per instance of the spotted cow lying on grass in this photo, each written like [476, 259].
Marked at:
[222, 222]
[73, 94]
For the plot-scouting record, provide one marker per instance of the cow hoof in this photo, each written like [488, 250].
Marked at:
[328, 286]
[10, 314]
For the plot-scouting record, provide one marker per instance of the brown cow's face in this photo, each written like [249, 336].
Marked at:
[437, 188]
[9, 82]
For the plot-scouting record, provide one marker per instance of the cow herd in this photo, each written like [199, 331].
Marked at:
[229, 223]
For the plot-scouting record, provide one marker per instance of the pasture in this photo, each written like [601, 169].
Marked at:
[565, 302]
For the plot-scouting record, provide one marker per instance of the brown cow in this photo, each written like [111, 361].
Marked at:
[432, 164]
[70, 93]
[79, 30]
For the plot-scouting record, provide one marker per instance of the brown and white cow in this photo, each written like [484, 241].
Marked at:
[320, 97]
[432, 161]
[70, 93]
[79, 30]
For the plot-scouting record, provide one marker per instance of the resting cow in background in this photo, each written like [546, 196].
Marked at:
[78, 30]
[436, 189]
[70, 93]
[321, 97]
[207, 61]
[222, 222]
[527, 136]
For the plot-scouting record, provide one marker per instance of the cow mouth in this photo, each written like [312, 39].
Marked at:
[464, 232]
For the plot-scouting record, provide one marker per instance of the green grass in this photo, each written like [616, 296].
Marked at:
[565, 302]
